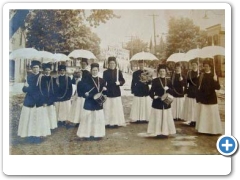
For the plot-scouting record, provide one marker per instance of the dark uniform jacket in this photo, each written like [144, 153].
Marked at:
[110, 76]
[46, 86]
[64, 88]
[87, 85]
[80, 88]
[192, 82]
[178, 86]
[206, 93]
[139, 88]
[86, 74]
[157, 89]
[33, 96]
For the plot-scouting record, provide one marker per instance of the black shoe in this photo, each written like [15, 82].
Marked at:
[37, 140]
[77, 124]
[61, 123]
[30, 139]
[192, 124]
[53, 130]
[162, 136]
[68, 126]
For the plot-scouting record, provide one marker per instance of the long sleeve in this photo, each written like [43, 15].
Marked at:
[121, 79]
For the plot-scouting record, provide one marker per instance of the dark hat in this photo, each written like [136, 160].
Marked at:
[48, 65]
[85, 60]
[161, 66]
[62, 67]
[93, 65]
[140, 61]
[178, 64]
[206, 61]
[111, 58]
[35, 63]
[194, 61]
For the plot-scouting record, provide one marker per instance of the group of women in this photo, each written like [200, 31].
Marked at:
[192, 99]
[97, 101]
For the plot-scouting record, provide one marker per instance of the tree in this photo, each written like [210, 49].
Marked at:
[64, 30]
[183, 35]
[136, 45]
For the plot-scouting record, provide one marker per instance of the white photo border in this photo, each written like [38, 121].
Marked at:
[101, 164]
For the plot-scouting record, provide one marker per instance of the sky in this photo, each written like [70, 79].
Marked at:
[139, 23]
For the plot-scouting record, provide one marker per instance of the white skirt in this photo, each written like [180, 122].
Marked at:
[189, 109]
[63, 110]
[161, 122]
[197, 112]
[209, 120]
[141, 108]
[52, 116]
[76, 112]
[113, 112]
[177, 107]
[92, 124]
[34, 122]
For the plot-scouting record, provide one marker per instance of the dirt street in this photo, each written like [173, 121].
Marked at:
[122, 140]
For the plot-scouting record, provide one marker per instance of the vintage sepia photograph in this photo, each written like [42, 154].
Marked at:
[116, 81]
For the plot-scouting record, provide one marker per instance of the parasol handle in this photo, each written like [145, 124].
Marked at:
[117, 79]
[214, 70]
[198, 66]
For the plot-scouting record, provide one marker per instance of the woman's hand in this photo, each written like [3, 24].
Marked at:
[117, 83]
[156, 97]
[215, 77]
[166, 88]
[26, 84]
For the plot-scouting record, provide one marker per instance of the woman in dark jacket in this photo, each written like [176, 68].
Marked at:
[178, 86]
[49, 97]
[34, 121]
[141, 105]
[63, 96]
[190, 105]
[92, 123]
[113, 108]
[209, 118]
[161, 120]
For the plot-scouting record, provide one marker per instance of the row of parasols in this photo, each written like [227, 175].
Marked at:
[46, 57]
[206, 52]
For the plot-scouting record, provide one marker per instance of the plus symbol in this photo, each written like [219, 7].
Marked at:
[227, 145]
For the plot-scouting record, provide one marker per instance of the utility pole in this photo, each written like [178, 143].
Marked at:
[154, 32]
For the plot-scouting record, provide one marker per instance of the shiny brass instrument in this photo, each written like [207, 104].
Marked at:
[146, 76]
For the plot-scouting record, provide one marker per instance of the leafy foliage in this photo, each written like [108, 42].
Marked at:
[183, 35]
[64, 30]
[136, 45]
[100, 16]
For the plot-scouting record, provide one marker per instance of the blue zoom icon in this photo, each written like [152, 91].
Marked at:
[227, 145]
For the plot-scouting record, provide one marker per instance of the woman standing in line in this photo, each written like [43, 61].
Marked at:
[64, 94]
[209, 121]
[178, 86]
[77, 103]
[191, 91]
[113, 108]
[141, 105]
[93, 123]
[161, 120]
[34, 121]
[47, 91]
